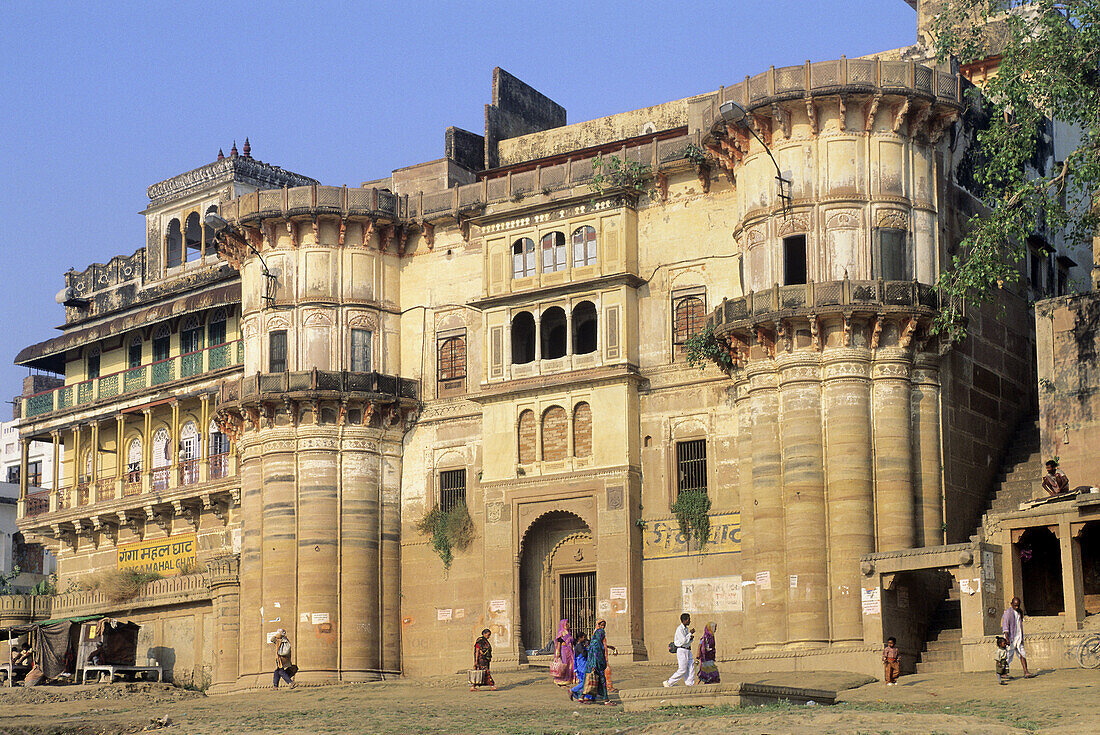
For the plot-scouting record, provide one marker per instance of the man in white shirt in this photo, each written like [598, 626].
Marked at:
[682, 641]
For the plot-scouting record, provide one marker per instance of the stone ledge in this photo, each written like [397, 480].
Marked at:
[734, 694]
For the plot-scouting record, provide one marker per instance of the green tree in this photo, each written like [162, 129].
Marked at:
[1050, 55]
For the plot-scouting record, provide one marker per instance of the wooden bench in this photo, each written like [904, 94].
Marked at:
[112, 669]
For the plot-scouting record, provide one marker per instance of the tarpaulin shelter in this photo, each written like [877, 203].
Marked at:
[55, 642]
[115, 641]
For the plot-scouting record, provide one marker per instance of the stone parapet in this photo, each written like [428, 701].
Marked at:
[182, 589]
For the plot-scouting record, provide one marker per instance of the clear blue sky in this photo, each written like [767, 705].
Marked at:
[104, 99]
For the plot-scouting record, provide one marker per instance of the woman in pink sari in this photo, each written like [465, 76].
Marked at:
[562, 667]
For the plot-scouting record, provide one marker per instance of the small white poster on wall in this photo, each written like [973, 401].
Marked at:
[618, 593]
[319, 618]
[443, 613]
[872, 604]
[764, 580]
[498, 605]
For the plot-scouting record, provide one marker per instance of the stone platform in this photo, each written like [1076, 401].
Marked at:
[733, 694]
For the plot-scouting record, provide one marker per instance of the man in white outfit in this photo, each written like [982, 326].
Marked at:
[682, 641]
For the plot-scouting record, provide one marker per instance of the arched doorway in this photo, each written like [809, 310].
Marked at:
[1041, 569]
[557, 578]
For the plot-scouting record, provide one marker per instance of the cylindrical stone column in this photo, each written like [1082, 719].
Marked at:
[928, 468]
[805, 579]
[252, 639]
[280, 542]
[848, 457]
[390, 552]
[359, 561]
[224, 584]
[895, 521]
[770, 612]
[318, 567]
[745, 494]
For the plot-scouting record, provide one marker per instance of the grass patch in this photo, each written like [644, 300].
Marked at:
[118, 585]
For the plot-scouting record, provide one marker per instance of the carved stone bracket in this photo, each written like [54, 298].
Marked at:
[869, 115]
[429, 234]
[815, 333]
[368, 230]
[906, 337]
[915, 128]
[662, 185]
[899, 114]
[783, 118]
[876, 333]
[343, 230]
[292, 230]
[190, 513]
[159, 517]
[811, 113]
[846, 339]
[842, 119]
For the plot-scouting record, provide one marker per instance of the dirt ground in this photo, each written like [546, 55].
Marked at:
[527, 702]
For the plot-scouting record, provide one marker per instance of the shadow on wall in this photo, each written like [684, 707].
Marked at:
[166, 657]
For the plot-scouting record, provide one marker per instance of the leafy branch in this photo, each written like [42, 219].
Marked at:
[703, 348]
[611, 173]
[692, 511]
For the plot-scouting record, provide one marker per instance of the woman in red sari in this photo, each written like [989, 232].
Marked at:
[483, 656]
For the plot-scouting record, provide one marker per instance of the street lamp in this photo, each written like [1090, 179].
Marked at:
[734, 114]
[222, 228]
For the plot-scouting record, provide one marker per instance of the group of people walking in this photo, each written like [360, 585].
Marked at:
[580, 663]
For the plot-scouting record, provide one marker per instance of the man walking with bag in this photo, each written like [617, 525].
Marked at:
[284, 669]
[681, 644]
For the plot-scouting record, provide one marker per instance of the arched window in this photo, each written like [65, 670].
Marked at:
[523, 258]
[208, 232]
[554, 338]
[555, 434]
[189, 454]
[133, 354]
[452, 359]
[523, 338]
[553, 252]
[173, 244]
[527, 437]
[192, 237]
[688, 317]
[89, 458]
[584, 328]
[219, 442]
[162, 341]
[133, 463]
[215, 328]
[190, 336]
[584, 246]
[161, 456]
[582, 430]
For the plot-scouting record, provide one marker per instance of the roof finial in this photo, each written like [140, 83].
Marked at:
[233, 150]
[247, 148]
[221, 156]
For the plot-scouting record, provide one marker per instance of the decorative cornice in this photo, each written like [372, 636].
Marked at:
[246, 170]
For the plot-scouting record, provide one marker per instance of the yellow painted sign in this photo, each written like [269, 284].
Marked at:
[166, 555]
[661, 539]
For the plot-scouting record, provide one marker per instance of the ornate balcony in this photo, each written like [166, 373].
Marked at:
[134, 380]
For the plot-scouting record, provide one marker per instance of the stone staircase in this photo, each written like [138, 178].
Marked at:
[1021, 471]
[943, 648]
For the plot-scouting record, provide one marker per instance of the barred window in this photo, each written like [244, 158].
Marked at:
[452, 489]
[134, 356]
[162, 343]
[688, 316]
[93, 364]
[452, 359]
[691, 465]
[277, 351]
[215, 329]
[360, 350]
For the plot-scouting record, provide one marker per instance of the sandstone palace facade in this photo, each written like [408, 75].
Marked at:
[264, 413]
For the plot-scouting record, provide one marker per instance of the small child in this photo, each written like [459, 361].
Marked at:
[1000, 660]
[890, 663]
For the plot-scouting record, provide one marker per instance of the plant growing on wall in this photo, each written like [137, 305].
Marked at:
[1048, 69]
[118, 584]
[703, 348]
[447, 530]
[610, 173]
[692, 509]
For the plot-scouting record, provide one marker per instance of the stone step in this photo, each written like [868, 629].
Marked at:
[939, 667]
[947, 635]
[947, 654]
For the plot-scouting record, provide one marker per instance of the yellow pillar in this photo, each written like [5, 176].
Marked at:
[174, 446]
[147, 453]
[745, 494]
[204, 438]
[121, 454]
[255, 655]
[24, 465]
[55, 435]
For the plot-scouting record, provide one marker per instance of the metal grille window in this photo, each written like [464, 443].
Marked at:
[688, 316]
[276, 354]
[215, 330]
[34, 473]
[191, 337]
[162, 342]
[452, 359]
[452, 489]
[893, 261]
[691, 465]
[360, 350]
[578, 600]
